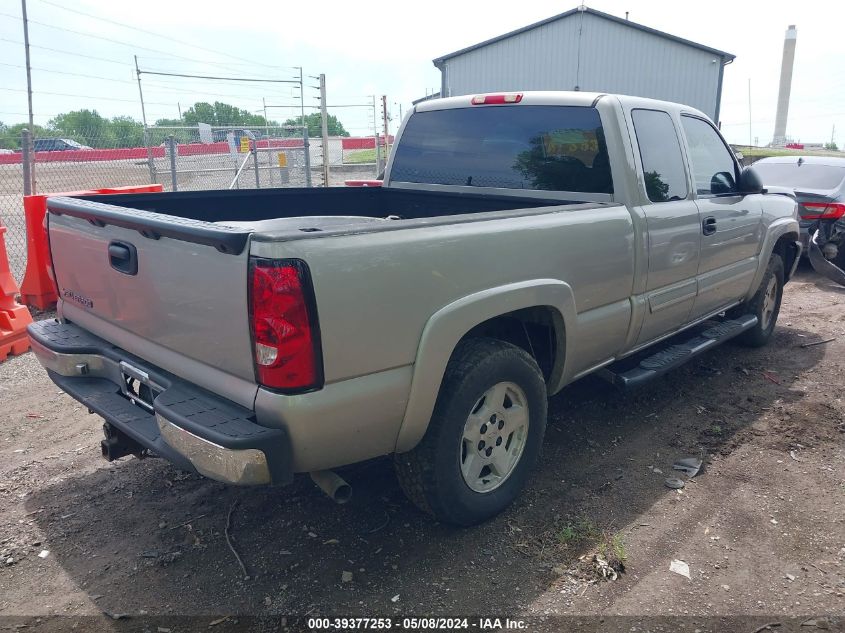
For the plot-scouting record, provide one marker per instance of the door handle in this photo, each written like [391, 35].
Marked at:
[708, 226]
[123, 257]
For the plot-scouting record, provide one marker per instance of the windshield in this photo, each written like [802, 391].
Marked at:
[803, 176]
[552, 148]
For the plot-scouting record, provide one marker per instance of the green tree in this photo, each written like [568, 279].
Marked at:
[315, 124]
[125, 131]
[84, 126]
[219, 113]
[10, 136]
[831, 146]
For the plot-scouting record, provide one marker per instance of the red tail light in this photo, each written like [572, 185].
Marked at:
[824, 210]
[286, 347]
[510, 97]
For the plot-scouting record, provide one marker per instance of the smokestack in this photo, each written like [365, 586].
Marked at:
[785, 85]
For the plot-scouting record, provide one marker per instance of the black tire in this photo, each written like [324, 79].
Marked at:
[760, 334]
[431, 474]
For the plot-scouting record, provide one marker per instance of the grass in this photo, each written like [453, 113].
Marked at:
[612, 548]
[764, 152]
[581, 530]
[361, 156]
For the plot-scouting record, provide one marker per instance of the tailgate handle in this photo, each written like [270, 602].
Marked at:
[123, 257]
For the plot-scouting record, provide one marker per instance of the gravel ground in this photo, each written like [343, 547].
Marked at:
[761, 528]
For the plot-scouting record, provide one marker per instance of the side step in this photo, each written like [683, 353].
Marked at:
[636, 370]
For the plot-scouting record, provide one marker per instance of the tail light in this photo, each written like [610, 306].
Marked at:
[510, 97]
[285, 334]
[824, 210]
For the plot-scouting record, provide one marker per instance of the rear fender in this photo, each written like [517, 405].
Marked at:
[448, 325]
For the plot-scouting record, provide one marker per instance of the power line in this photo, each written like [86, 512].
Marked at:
[105, 39]
[62, 72]
[249, 79]
[65, 94]
[154, 34]
[64, 52]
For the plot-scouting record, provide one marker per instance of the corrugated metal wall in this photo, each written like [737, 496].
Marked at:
[614, 58]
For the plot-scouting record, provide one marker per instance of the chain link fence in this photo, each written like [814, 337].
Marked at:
[180, 158]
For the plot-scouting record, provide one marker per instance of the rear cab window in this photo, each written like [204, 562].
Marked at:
[713, 167]
[531, 147]
[660, 153]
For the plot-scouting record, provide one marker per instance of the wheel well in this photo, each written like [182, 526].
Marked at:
[537, 330]
[786, 249]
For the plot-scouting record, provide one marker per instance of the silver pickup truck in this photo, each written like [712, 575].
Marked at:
[520, 242]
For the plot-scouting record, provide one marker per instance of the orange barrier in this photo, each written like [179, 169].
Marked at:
[363, 183]
[38, 288]
[13, 316]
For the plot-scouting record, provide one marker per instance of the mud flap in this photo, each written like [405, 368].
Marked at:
[824, 266]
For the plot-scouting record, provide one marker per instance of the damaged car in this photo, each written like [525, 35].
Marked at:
[819, 185]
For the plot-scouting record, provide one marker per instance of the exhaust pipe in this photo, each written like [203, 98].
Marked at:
[333, 485]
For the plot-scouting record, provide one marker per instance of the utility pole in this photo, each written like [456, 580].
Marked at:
[386, 133]
[150, 163]
[749, 112]
[28, 89]
[325, 116]
[375, 136]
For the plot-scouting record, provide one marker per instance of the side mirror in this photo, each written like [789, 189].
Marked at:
[750, 181]
[722, 182]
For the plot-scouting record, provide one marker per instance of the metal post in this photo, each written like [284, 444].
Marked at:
[26, 159]
[325, 117]
[375, 136]
[28, 90]
[150, 162]
[307, 146]
[171, 143]
[386, 129]
[255, 163]
[304, 124]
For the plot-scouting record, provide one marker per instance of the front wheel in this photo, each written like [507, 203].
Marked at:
[765, 305]
[484, 436]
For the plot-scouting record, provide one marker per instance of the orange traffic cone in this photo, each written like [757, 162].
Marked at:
[13, 316]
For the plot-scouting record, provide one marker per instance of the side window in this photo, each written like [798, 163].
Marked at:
[660, 151]
[713, 167]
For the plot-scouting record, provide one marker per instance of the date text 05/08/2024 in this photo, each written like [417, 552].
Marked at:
[415, 624]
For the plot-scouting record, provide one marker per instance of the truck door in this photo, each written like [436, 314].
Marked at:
[674, 233]
[731, 223]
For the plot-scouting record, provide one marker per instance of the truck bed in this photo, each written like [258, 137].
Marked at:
[366, 202]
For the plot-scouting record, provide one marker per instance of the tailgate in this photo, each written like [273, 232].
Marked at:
[170, 290]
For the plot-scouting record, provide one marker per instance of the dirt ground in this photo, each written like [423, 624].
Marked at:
[761, 528]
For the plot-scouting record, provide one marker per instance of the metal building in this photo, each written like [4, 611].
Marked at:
[585, 49]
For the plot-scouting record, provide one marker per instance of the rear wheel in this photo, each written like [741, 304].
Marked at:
[765, 305]
[484, 436]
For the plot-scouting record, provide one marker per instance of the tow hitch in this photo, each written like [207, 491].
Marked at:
[118, 444]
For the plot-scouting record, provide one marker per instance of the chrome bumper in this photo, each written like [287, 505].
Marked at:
[189, 426]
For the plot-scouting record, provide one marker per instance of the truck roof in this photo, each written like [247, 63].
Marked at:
[556, 97]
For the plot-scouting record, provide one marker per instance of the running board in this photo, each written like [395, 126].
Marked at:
[625, 376]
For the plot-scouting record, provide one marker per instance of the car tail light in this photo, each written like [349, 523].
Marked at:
[285, 334]
[824, 210]
[510, 97]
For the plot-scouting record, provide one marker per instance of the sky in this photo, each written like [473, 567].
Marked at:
[367, 49]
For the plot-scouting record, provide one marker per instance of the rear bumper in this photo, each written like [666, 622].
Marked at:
[194, 429]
